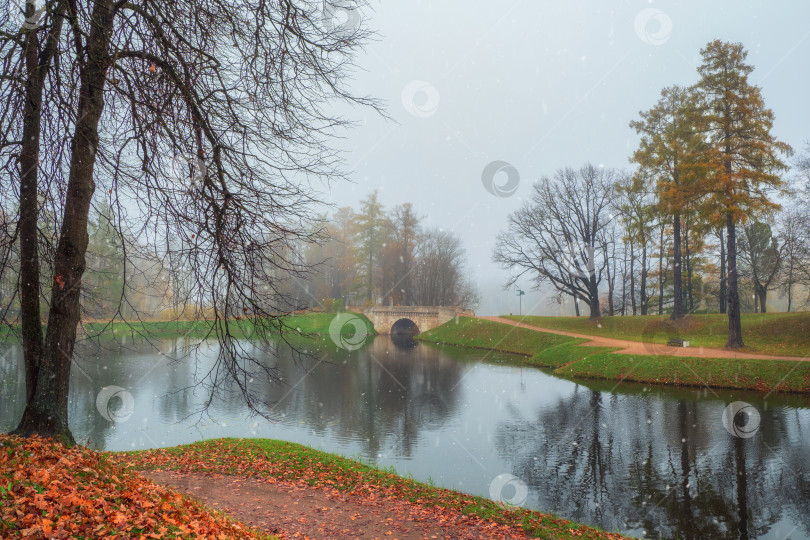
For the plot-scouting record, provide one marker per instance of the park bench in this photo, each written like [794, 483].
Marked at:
[676, 342]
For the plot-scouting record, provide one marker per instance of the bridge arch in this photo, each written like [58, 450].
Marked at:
[385, 318]
[404, 326]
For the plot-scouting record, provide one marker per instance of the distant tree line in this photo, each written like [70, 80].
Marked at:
[696, 226]
[378, 256]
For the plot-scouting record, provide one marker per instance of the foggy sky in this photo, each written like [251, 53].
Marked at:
[540, 85]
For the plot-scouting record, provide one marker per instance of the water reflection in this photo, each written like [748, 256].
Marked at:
[404, 340]
[654, 462]
[663, 465]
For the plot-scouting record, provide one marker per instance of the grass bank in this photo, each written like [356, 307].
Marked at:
[571, 360]
[50, 491]
[740, 374]
[311, 323]
[306, 324]
[293, 462]
[785, 334]
[540, 349]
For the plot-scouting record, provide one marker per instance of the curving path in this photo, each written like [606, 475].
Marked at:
[298, 510]
[642, 348]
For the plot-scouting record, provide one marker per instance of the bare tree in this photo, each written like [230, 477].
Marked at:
[802, 167]
[608, 239]
[793, 232]
[438, 278]
[202, 123]
[638, 214]
[761, 257]
[555, 236]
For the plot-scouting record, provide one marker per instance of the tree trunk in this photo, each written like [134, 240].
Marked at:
[632, 277]
[624, 282]
[661, 273]
[763, 297]
[677, 293]
[46, 413]
[734, 321]
[29, 216]
[723, 278]
[594, 305]
[643, 285]
[689, 274]
[790, 296]
[610, 278]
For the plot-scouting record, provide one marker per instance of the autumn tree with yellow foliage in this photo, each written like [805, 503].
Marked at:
[743, 154]
[670, 154]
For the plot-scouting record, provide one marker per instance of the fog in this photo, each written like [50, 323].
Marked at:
[538, 85]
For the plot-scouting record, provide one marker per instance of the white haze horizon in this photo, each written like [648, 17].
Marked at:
[541, 86]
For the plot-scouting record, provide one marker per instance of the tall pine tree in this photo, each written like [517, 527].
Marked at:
[746, 156]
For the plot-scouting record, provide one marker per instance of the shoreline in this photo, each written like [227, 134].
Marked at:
[291, 462]
[52, 490]
[568, 358]
[312, 324]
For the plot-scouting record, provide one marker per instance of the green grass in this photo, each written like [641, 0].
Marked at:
[761, 375]
[294, 462]
[318, 323]
[785, 334]
[565, 354]
[540, 349]
[306, 324]
[569, 359]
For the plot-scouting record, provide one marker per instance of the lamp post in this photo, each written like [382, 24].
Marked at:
[520, 294]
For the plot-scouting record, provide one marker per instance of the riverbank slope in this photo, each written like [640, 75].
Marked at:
[397, 499]
[569, 358]
[277, 487]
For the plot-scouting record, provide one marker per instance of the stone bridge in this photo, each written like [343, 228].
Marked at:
[411, 319]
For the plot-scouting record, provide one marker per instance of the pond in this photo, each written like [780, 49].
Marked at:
[645, 461]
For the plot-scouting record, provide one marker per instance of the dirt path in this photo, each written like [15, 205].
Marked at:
[297, 510]
[641, 348]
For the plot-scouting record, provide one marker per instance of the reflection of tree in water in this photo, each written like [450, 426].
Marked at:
[151, 370]
[659, 467]
[100, 362]
[381, 395]
[12, 386]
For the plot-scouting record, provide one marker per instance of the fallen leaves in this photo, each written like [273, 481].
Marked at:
[278, 461]
[50, 491]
